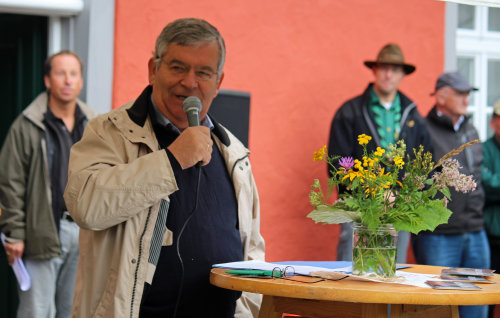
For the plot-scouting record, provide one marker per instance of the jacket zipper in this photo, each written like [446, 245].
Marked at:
[138, 264]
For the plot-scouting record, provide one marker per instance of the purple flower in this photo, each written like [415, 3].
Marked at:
[346, 163]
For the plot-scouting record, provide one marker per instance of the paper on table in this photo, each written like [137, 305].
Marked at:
[406, 278]
[300, 270]
[23, 278]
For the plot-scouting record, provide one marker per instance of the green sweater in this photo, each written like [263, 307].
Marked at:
[491, 184]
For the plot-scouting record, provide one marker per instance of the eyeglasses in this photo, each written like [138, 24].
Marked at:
[177, 68]
[289, 273]
[282, 273]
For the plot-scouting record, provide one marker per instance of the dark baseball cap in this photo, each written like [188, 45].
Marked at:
[455, 80]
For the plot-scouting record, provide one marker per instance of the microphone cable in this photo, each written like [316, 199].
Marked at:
[179, 293]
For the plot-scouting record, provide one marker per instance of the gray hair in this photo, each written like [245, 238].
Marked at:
[186, 32]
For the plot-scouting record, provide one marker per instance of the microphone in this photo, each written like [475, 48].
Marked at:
[192, 108]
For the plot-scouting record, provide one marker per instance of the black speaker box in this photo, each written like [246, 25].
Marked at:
[232, 109]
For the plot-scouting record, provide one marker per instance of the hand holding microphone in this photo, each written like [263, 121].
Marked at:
[194, 143]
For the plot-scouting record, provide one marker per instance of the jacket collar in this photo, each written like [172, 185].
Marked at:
[407, 106]
[405, 101]
[36, 110]
[138, 113]
[444, 120]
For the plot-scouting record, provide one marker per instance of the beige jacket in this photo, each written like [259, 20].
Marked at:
[117, 181]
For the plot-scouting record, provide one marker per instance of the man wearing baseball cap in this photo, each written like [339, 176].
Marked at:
[462, 242]
[491, 184]
[387, 115]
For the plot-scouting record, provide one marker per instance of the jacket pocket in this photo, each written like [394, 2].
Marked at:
[106, 303]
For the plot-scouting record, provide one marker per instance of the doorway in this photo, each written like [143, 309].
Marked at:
[23, 49]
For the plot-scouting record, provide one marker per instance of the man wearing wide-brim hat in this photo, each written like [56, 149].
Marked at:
[387, 115]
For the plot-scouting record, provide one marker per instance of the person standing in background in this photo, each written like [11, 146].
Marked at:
[384, 113]
[33, 174]
[461, 242]
[491, 183]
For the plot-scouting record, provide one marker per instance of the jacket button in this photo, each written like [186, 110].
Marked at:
[134, 261]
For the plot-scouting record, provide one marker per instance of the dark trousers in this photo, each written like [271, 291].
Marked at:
[8, 288]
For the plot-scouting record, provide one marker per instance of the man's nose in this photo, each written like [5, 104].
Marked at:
[190, 80]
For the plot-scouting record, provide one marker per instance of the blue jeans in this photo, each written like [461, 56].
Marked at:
[344, 246]
[460, 250]
[52, 280]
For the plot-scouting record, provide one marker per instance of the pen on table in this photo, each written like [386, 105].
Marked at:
[254, 272]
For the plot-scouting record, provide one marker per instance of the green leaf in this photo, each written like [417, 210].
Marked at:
[329, 215]
[426, 217]
[446, 193]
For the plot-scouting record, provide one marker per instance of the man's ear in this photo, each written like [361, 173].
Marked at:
[220, 81]
[151, 70]
[46, 81]
[441, 96]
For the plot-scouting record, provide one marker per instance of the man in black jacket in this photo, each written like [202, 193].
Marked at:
[387, 115]
[462, 242]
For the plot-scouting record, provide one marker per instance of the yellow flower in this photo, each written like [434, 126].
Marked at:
[382, 173]
[398, 161]
[358, 164]
[320, 154]
[379, 152]
[351, 175]
[364, 139]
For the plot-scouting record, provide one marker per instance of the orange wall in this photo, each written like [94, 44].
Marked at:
[299, 60]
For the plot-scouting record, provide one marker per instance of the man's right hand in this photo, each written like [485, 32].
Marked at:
[13, 251]
[192, 146]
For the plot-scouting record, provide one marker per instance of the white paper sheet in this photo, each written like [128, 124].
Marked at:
[406, 278]
[23, 278]
[300, 270]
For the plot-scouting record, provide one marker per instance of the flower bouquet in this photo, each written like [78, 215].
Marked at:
[383, 193]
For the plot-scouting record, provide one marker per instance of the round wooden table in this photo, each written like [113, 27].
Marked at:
[351, 298]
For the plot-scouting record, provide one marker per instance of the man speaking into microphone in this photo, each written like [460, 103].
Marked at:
[153, 220]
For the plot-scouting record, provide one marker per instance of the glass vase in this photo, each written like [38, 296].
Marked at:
[374, 252]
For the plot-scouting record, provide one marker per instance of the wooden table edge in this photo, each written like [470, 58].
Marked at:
[357, 291]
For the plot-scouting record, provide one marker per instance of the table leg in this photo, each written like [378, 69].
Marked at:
[424, 311]
[267, 309]
[274, 307]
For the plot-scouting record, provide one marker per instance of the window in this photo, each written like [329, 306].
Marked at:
[478, 59]
[465, 65]
[466, 16]
[494, 19]
[493, 81]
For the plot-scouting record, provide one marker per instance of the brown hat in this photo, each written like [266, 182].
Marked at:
[391, 54]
